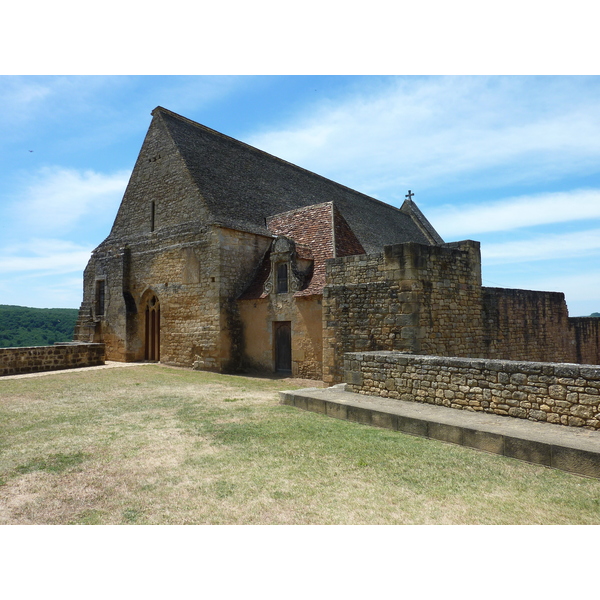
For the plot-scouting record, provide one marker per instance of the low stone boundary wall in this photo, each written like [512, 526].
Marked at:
[567, 394]
[35, 359]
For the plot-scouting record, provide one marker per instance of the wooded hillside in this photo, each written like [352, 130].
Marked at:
[22, 326]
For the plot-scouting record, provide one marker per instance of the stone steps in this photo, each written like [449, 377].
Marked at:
[84, 323]
[565, 448]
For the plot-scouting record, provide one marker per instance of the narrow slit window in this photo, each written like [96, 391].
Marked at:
[152, 215]
[100, 296]
[282, 278]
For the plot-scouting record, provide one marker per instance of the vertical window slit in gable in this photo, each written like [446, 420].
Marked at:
[100, 295]
[282, 278]
[152, 214]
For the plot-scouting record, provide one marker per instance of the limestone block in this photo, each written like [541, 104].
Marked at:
[558, 392]
[518, 412]
[589, 399]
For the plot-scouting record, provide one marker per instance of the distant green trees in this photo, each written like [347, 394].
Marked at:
[22, 326]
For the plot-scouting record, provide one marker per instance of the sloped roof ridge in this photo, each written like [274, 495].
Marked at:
[161, 109]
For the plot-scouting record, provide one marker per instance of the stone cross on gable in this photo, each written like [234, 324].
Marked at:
[409, 195]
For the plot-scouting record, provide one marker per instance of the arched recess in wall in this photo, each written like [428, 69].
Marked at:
[151, 314]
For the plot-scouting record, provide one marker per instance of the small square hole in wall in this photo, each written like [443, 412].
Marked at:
[212, 279]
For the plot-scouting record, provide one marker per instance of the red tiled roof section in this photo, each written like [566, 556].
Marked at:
[313, 226]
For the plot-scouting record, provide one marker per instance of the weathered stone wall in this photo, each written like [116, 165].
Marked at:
[526, 325]
[239, 254]
[196, 274]
[429, 300]
[180, 268]
[567, 394]
[585, 335]
[35, 359]
[160, 194]
[410, 297]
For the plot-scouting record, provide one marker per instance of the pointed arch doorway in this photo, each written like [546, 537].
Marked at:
[152, 330]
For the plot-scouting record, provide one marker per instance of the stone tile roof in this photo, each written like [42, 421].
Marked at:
[241, 186]
[410, 208]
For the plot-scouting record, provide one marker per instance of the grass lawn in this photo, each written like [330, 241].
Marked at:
[156, 445]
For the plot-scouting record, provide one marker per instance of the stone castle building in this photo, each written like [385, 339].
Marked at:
[226, 258]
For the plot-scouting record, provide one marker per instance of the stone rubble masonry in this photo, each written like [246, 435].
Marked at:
[425, 299]
[35, 359]
[191, 235]
[163, 245]
[560, 393]
[429, 300]
[529, 325]
[195, 274]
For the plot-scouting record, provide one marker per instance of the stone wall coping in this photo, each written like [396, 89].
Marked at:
[506, 366]
[79, 344]
[36, 359]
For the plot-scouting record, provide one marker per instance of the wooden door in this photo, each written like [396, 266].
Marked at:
[283, 346]
[152, 338]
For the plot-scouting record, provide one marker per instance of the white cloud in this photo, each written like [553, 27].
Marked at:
[19, 96]
[428, 132]
[547, 247]
[581, 289]
[44, 256]
[42, 273]
[58, 198]
[579, 286]
[514, 213]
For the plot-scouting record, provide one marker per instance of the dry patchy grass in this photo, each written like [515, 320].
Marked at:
[157, 445]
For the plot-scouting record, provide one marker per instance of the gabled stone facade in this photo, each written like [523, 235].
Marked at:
[225, 258]
[192, 271]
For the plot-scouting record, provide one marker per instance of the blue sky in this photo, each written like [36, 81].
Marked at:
[510, 161]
